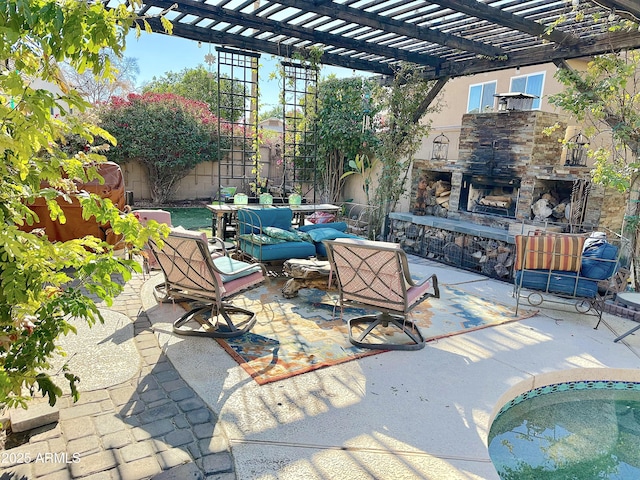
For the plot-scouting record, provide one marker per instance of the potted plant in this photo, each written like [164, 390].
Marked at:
[295, 198]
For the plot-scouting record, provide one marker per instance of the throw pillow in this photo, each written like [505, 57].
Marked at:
[321, 217]
[261, 239]
[286, 235]
[548, 252]
[304, 236]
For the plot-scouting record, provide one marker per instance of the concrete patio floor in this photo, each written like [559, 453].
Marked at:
[423, 414]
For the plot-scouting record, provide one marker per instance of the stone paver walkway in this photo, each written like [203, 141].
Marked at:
[152, 426]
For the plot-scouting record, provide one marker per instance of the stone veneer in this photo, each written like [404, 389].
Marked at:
[511, 144]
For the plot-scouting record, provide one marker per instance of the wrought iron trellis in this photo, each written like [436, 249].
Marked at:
[579, 198]
[237, 119]
[300, 101]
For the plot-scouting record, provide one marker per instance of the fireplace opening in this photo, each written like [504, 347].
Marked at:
[559, 201]
[489, 195]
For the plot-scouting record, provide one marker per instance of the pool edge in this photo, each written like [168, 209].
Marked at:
[563, 376]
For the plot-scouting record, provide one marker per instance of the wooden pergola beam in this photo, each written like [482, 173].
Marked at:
[387, 24]
[506, 19]
[631, 7]
[199, 9]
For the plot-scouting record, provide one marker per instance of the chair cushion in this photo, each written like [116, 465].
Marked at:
[549, 252]
[251, 219]
[557, 281]
[229, 267]
[278, 251]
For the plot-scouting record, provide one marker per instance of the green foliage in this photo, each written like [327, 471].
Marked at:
[347, 111]
[42, 283]
[166, 133]
[401, 135]
[607, 97]
[201, 85]
[364, 167]
[274, 112]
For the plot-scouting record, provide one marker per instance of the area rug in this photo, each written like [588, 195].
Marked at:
[305, 333]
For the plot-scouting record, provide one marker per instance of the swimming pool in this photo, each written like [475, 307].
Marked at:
[571, 430]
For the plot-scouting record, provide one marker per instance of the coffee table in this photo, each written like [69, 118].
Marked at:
[630, 299]
[305, 274]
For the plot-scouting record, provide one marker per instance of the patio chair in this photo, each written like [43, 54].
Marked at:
[376, 275]
[191, 272]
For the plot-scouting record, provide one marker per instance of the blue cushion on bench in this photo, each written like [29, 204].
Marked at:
[559, 281]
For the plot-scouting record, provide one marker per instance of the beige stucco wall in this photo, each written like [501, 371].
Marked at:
[200, 184]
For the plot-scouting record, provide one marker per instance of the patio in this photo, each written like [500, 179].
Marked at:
[423, 414]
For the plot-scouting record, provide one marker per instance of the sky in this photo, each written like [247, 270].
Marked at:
[158, 53]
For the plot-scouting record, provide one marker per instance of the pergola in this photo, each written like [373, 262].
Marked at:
[445, 38]
[448, 38]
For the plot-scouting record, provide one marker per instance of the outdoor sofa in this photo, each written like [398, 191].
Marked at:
[267, 235]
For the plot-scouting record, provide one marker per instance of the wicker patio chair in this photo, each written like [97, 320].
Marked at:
[192, 273]
[376, 275]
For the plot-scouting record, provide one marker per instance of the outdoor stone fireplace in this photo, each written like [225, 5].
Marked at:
[509, 178]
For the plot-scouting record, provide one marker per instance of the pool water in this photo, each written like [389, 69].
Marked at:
[577, 430]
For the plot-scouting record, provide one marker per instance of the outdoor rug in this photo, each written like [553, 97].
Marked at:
[305, 333]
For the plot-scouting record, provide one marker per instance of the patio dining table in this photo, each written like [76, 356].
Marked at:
[225, 213]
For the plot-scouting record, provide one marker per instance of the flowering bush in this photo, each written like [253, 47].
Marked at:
[168, 134]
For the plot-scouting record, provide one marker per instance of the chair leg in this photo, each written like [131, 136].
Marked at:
[203, 315]
[384, 319]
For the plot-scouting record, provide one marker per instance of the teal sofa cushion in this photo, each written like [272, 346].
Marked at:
[340, 226]
[320, 234]
[278, 251]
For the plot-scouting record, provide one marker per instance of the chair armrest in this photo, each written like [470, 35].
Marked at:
[411, 282]
[220, 243]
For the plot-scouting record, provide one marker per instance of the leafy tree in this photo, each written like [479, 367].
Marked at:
[400, 135]
[606, 96]
[345, 130]
[37, 292]
[96, 89]
[200, 85]
[274, 112]
[166, 133]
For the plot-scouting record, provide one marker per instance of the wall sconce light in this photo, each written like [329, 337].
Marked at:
[577, 151]
[440, 147]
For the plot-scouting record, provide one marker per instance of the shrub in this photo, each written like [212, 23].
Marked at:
[168, 134]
